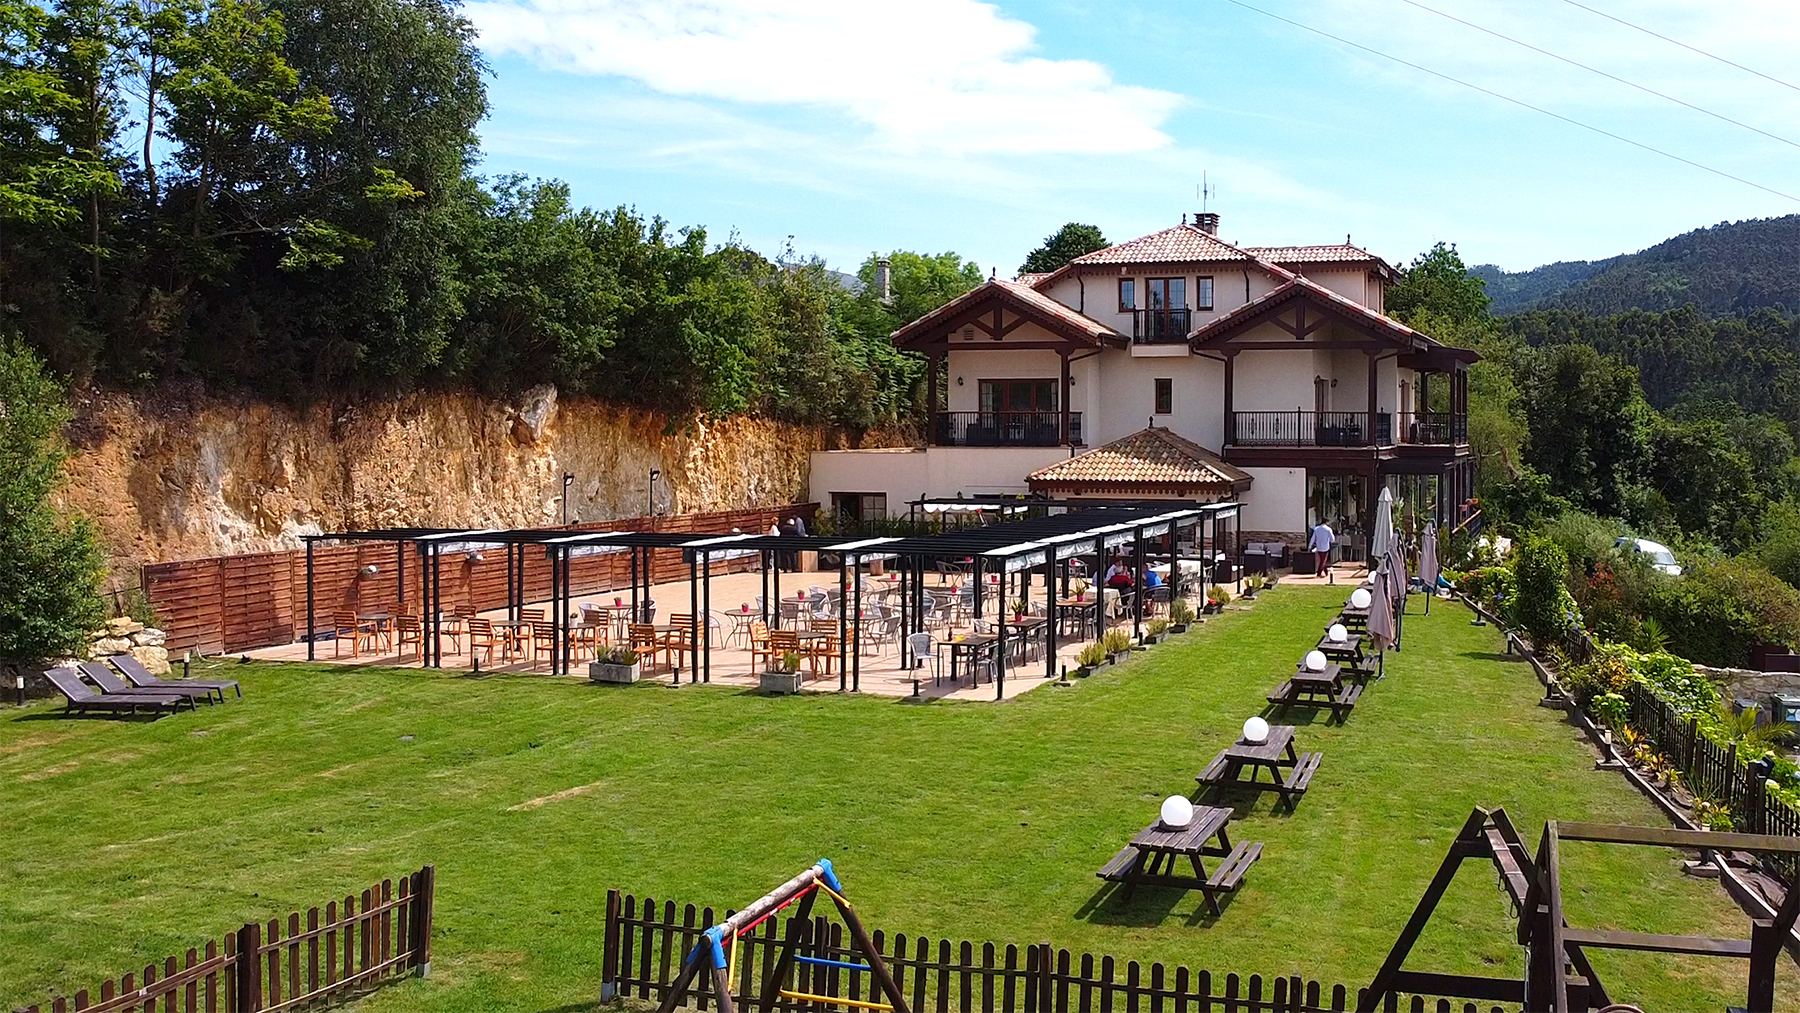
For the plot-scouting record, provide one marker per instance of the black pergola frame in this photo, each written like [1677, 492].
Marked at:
[1024, 545]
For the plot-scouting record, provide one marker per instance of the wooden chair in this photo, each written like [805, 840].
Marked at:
[759, 643]
[783, 643]
[544, 635]
[346, 625]
[410, 631]
[531, 615]
[678, 643]
[646, 643]
[481, 637]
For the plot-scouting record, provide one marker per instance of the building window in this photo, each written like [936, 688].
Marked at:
[1018, 395]
[1167, 293]
[1165, 395]
[860, 506]
[1127, 294]
[1204, 297]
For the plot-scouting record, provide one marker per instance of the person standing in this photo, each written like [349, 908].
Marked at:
[1323, 538]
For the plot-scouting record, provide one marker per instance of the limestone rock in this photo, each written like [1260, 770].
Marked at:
[150, 636]
[155, 659]
[111, 645]
[537, 408]
[123, 626]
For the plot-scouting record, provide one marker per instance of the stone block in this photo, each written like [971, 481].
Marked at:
[150, 637]
[111, 645]
[155, 659]
[123, 626]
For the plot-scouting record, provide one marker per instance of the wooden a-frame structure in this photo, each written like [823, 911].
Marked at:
[1558, 975]
[801, 891]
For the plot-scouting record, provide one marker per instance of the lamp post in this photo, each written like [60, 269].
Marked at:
[568, 479]
[655, 474]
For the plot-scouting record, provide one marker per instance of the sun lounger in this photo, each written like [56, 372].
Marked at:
[142, 679]
[102, 676]
[80, 699]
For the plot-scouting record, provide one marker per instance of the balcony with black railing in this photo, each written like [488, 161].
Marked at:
[1004, 429]
[1346, 429]
[1161, 327]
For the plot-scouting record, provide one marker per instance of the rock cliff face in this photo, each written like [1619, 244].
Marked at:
[208, 477]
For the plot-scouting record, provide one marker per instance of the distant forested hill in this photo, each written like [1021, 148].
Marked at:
[1732, 267]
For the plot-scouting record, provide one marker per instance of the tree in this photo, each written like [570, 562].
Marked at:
[1439, 282]
[1062, 246]
[50, 586]
[1590, 427]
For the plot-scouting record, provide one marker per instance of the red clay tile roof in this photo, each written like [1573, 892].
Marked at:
[1033, 277]
[1342, 253]
[1022, 299]
[1147, 457]
[1177, 244]
[1296, 287]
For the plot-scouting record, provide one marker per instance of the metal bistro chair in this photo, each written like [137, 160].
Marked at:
[919, 648]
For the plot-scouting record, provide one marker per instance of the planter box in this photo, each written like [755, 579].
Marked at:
[1150, 639]
[623, 675]
[1119, 658]
[1211, 607]
[1178, 627]
[779, 682]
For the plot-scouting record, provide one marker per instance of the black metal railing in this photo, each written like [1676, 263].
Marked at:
[1434, 428]
[1004, 429]
[1160, 327]
[1310, 429]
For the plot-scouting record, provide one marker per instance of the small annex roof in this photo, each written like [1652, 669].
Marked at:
[1149, 457]
[1298, 288]
[1334, 253]
[976, 307]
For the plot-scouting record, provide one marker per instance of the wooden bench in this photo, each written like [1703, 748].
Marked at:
[1114, 870]
[1215, 771]
[1345, 701]
[1230, 873]
[1299, 776]
[1279, 695]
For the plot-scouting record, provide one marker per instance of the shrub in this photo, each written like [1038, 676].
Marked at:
[617, 655]
[1218, 594]
[1156, 627]
[1116, 642]
[1545, 608]
[50, 566]
[1091, 655]
[1585, 539]
[1180, 611]
[1719, 607]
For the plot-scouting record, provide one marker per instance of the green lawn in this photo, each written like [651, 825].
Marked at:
[120, 842]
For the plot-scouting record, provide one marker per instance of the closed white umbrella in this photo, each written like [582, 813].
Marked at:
[1383, 538]
[1428, 564]
[1381, 609]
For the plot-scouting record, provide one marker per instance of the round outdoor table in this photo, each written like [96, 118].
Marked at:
[740, 624]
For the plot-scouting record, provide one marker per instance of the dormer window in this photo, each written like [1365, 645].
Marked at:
[1127, 294]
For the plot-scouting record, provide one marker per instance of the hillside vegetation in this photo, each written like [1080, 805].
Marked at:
[1732, 267]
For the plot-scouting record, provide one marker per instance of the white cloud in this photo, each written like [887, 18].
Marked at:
[927, 77]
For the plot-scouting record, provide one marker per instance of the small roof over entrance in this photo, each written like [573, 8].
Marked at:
[1149, 462]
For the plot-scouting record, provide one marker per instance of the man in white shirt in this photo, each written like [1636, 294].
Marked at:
[1320, 543]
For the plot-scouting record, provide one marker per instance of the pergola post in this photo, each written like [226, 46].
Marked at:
[843, 623]
[705, 619]
[400, 570]
[980, 582]
[856, 655]
[637, 614]
[1050, 610]
[693, 619]
[775, 592]
[311, 626]
[1137, 594]
[1099, 587]
[1000, 645]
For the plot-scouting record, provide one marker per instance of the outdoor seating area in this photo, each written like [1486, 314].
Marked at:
[971, 612]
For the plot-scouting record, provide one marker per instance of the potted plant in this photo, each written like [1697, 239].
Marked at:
[1181, 615]
[1216, 597]
[1080, 588]
[615, 665]
[1019, 609]
[1155, 630]
[1117, 645]
[1252, 585]
[1091, 657]
[782, 675]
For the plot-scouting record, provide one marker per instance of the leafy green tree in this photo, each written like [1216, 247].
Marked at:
[50, 586]
[1062, 246]
[1779, 547]
[1591, 429]
[918, 282]
[1707, 480]
[1438, 281]
[1545, 607]
[83, 44]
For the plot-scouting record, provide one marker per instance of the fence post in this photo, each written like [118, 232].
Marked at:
[421, 919]
[609, 949]
[249, 968]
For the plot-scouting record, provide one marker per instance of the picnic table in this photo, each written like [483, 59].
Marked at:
[1151, 857]
[1307, 688]
[1289, 772]
[1348, 653]
[1355, 619]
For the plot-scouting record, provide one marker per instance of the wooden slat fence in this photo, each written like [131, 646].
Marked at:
[1714, 772]
[284, 965]
[645, 942]
[237, 603]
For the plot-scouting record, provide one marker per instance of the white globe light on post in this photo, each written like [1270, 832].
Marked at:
[1337, 634]
[1256, 731]
[1360, 598]
[1315, 661]
[1177, 812]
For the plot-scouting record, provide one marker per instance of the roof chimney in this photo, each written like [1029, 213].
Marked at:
[881, 280]
[1208, 222]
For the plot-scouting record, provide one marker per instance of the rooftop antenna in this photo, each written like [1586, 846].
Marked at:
[1205, 191]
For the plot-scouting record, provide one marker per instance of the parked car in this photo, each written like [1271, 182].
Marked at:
[1656, 553]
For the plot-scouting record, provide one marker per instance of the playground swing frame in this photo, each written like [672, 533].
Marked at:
[709, 953]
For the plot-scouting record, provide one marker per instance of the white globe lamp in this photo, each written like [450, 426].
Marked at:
[1360, 598]
[1256, 730]
[1337, 634]
[1315, 661]
[1177, 812]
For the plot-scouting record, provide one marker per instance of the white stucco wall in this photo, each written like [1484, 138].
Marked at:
[908, 474]
[995, 362]
[1126, 397]
[1276, 500]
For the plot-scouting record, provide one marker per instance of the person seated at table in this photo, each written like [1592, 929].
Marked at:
[1118, 575]
[1152, 578]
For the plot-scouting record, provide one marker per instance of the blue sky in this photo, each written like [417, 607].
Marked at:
[955, 125]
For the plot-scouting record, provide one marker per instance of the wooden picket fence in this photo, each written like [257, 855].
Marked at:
[1714, 772]
[645, 943]
[238, 603]
[321, 956]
